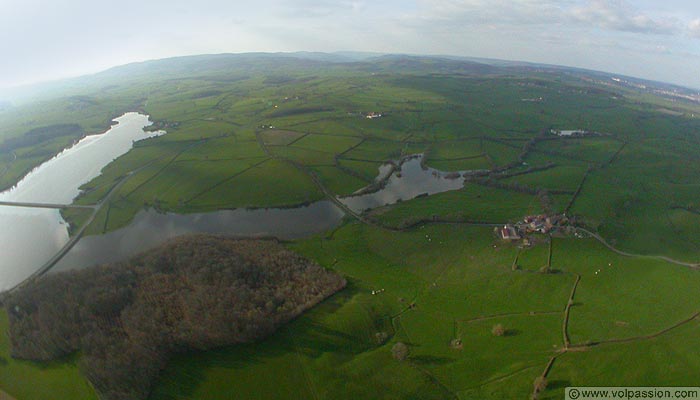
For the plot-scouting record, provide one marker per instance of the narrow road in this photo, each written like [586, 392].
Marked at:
[73, 240]
[626, 254]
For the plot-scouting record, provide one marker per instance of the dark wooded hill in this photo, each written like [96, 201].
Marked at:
[195, 292]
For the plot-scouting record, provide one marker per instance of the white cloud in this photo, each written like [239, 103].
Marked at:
[694, 28]
[618, 15]
[527, 12]
[612, 15]
[320, 8]
[86, 35]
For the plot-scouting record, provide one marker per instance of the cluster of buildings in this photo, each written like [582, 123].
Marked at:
[570, 133]
[533, 100]
[373, 115]
[532, 224]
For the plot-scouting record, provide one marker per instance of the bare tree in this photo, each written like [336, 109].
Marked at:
[498, 330]
[400, 351]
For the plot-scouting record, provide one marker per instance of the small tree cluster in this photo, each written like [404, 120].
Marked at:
[498, 330]
[400, 351]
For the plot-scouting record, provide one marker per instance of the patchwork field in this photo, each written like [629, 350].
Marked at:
[612, 303]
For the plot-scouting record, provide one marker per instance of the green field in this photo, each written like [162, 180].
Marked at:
[29, 380]
[429, 272]
[461, 287]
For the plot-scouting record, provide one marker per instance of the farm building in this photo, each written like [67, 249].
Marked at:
[508, 232]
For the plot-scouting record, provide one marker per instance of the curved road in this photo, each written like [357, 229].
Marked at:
[626, 254]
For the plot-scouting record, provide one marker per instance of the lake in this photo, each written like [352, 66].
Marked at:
[151, 228]
[30, 236]
[410, 181]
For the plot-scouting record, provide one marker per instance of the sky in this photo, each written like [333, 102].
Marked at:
[46, 40]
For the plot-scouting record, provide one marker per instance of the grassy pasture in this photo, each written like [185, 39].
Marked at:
[586, 149]
[38, 381]
[456, 149]
[614, 289]
[500, 154]
[631, 203]
[333, 348]
[303, 156]
[375, 150]
[458, 155]
[338, 181]
[473, 203]
[668, 360]
[199, 129]
[270, 184]
[327, 143]
[461, 286]
[558, 178]
[363, 169]
[279, 137]
[534, 258]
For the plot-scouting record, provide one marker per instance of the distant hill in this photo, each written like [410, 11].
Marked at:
[230, 67]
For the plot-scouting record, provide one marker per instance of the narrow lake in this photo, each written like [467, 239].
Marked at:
[151, 228]
[30, 236]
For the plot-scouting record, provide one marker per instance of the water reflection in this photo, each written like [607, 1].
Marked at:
[410, 181]
[151, 228]
[29, 237]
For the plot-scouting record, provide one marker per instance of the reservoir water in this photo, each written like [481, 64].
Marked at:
[410, 181]
[150, 228]
[31, 236]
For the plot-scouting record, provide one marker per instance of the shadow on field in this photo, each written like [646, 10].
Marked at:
[431, 360]
[558, 384]
[555, 271]
[512, 332]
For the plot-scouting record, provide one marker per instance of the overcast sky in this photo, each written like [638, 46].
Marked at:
[42, 40]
